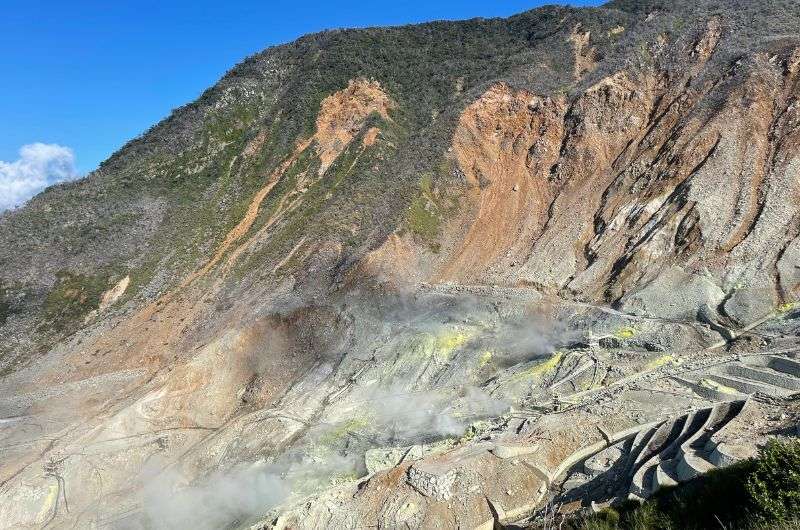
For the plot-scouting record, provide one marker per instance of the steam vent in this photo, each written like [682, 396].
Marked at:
[496, 273]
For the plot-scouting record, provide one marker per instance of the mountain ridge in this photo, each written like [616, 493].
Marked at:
[472, 215]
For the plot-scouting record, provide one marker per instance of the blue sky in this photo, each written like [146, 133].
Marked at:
[90, 75]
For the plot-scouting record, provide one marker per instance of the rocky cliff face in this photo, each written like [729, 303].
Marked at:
[412, 276]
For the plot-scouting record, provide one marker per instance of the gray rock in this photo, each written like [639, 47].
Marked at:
[674, 295]
[433, 480]
[386, 458]
[748, 305]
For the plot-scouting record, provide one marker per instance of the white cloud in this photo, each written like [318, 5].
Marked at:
[39, 165]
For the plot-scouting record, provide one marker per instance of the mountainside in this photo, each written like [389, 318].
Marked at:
[413, 276]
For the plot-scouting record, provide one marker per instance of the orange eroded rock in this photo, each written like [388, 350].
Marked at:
[505, 143]
[396, 261]
[371, 136]
[342, 115]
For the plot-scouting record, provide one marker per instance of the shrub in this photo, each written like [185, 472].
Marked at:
[774, 485]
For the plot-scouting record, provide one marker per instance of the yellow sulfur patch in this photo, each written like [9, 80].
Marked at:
[713, 385]
[549, 365]
[423, 347]
[542, 368]
[448, 342]
[443, 345]
[590, 385]
[658, 362]
[625, 333]
[344, 477]
[787, 307]
[473, 430]
[485, 358]
[342, 430]
[49, 503]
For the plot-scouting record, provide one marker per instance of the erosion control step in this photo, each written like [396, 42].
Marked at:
[764, 375]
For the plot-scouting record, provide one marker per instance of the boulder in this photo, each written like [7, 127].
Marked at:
[674, 295]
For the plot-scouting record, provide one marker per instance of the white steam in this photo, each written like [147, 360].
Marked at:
[404, 417]
[171, 503]
[393, 413]
[524, 339]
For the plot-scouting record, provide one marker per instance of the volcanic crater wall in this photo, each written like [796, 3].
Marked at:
[645, 172]
[304, 276]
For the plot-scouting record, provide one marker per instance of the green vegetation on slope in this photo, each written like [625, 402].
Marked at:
[5, 303]
[428, 210]
[763, 493]
[73, 297]
[422, 217]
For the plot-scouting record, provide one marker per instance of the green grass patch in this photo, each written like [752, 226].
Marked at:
[429, 209]
[72, 298]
